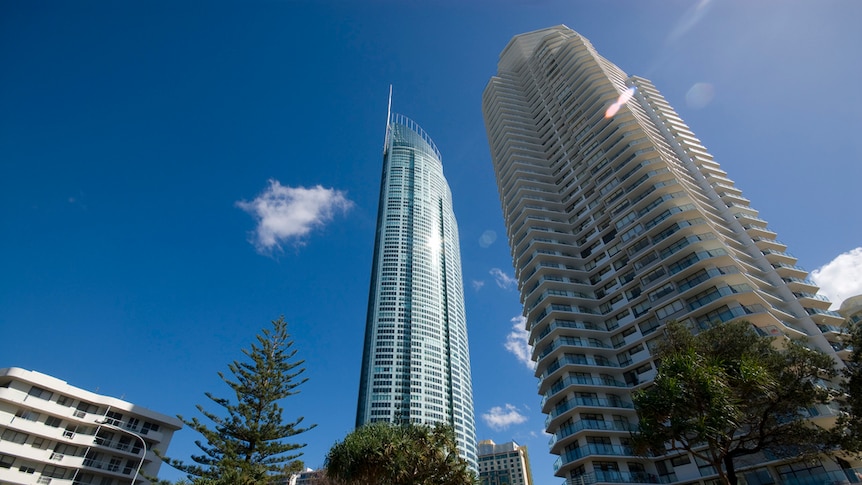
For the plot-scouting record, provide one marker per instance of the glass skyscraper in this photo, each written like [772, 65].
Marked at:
[416, 362]
[620, 220]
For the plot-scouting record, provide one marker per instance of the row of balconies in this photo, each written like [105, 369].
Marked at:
[28, 454]
[571, 429]
[69, 414]
[594, 451]
[585, 402]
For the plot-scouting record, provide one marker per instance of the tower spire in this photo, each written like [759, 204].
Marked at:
[388, 117]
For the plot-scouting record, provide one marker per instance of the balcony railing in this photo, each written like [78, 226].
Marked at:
[132, 447]
[569, 360]
[574, 402]
[569, 324]
[850, 475]
[619, 477]
[591, 424]
[593, 449]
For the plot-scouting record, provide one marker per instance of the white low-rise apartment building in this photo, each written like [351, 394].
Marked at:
[58, 434]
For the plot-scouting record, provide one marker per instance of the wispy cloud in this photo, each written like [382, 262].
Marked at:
[499, 418]
[840, 278]
[503, 280]
[478, 284]
[517, 342]
[287, 214]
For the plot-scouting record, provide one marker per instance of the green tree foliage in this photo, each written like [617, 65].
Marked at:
[849, 426]
[246, 444]
[396, 454]
[728, 392]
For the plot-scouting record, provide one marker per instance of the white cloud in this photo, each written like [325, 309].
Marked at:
[503, 280]
[478, 284]
[517, 342]
[289, 213]
[840, 278]
[499, 418]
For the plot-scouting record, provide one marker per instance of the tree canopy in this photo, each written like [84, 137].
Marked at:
[728, 392]
[246, 444]
[398, 454]
[849, 426]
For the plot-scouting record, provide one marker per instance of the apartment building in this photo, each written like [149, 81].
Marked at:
[504, 464]
[58, 434]
[619, 220]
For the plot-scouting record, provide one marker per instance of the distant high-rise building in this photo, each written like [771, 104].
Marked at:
[619, 220]
[504, 464]
[416, 362]
[51, 432]
[306, 477]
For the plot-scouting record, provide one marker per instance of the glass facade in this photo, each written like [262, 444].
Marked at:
[416, 361]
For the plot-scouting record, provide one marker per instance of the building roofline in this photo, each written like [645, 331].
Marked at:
[58, 385]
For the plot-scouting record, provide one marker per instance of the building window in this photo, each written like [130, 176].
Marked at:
[114, 418]
[6, 461]
[669, 309]
[148, 426]
[40, 393]
[88, 408]
[53, 422]
[133, 423]
[53, 471]
[27, 414]
[14, 436]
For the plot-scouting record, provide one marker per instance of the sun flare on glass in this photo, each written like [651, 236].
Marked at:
[623, 99]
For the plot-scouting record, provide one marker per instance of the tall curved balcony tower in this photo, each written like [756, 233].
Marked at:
[619, 220]
[416, 361]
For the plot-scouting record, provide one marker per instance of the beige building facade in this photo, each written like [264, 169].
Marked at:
[619, 220]
[504, 464]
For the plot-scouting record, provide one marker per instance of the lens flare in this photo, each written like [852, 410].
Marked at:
[699, 95]
[623, 99]
[487, 239]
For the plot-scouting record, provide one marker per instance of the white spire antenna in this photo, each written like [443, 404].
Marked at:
[388, 115]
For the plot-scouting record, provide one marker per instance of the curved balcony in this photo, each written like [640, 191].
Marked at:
[763, 243]
[571, 380]
[612, 476]
[559, 296]
[800, 284]
[570, 359]
[824, 317]
[593, 450]
[573, 428]
[589, 402]
[756, 230]
[568, 324]
[832, 330]
[565, 310]
[792, 270]
[567, 341]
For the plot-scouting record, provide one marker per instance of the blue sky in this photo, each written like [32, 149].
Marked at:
[176, 174]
